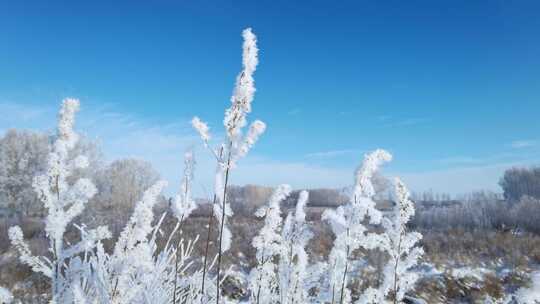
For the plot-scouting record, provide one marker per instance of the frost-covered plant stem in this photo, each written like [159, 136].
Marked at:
[396, 279]
[293, 258]
[259, 279]
[207, 246]
[177, 259]
[400, 244]
[236, 145]
[64, 201]
[264, 279]
[345, 270]
[347, 223]
[223, 208]
[183, 206]
[209, 232]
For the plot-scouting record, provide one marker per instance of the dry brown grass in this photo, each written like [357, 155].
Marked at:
[444, 249]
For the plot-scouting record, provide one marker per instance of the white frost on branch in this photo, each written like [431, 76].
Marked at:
[140, 222]
[134, 261]
[363, 186]
[222, 209]
[293, 260]
[202, 128]
[64, 201]
[244, 91]
[38, 264]
[347, 223]
[263, 279]
[400, 245]
[183, 204]
[255, 130]
[235, 145]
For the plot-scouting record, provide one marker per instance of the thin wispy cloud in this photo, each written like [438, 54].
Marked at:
[391, 121]
[457, 180]
[520, 144]
[120, 135]
[461, 160]
[491, 159]
[407, 122]
[163, 144]
[294, 111]
[474, 176]
[16, 113]
[331, 153]
[384, 117]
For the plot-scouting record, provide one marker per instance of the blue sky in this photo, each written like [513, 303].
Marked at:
[451, 88]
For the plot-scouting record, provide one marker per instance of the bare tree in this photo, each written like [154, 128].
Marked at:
[120, 185]
[22, 155]
[518, 182]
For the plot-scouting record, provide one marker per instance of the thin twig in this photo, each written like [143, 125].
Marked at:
[210, 220]
[395, 270]
[176, 257]
[206, 250]
[224, 200]
[345, 271]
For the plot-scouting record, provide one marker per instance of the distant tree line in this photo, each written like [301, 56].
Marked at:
[519, 182]
[120, 184]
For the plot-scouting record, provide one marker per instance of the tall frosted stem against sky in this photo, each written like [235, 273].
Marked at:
[236, 144]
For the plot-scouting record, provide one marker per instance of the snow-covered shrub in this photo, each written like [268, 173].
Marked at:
[401, 246]
[264, 280]
[133, 261]
[64, 201]
[281, 274]
[293, 259]
[348, 224]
